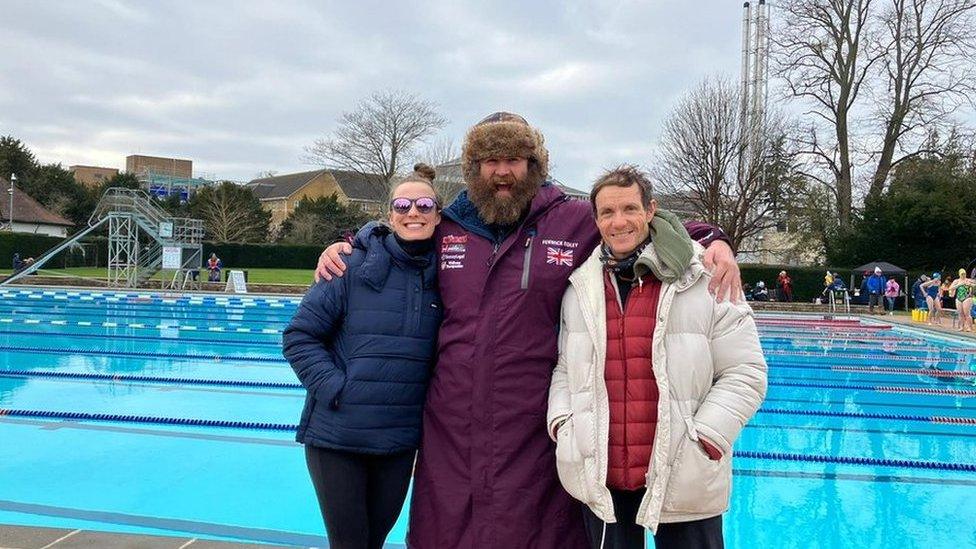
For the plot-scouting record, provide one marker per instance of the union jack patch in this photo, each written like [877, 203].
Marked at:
[559, 256]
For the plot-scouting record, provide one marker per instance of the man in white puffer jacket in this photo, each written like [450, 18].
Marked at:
[644, 432]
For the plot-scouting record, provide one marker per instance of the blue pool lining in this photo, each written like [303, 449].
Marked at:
[156, 296]
[284, 385]
[181, 339]
[140, 325]
[870, 415]
[151, 379]
[102, 352]
[910, 464]
[850, 368]
[852, 477]
[845, 430]
[124, 418]
[175, 525]
[875, 462]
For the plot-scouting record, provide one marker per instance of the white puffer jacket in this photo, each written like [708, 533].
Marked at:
[711, 378]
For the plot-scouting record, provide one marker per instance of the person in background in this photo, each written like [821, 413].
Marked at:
[214, 265]
[918, 294]
[947, 297]
[892, 289]
[760, 293]
[363, 346]
[662, 436]
[875, 285]
[784, 286]
[963, 289]
[18, 263]
[932, 300]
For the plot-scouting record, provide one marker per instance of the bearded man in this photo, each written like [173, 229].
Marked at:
[486, 474]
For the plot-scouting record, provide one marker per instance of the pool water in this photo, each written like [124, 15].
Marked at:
[174, 415]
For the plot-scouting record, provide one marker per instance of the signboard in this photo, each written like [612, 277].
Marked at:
[172, 257]
[236, 282]
[166, 229]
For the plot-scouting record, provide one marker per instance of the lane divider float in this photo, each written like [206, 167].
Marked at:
[150, 379]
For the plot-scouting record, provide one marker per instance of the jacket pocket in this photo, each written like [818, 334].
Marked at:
[697, 484]
[569, 461]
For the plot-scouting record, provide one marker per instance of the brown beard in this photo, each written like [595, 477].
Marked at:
[503, 210]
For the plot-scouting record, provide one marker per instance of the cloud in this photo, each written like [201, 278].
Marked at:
[242, 87]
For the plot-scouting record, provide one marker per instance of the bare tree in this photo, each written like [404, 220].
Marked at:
[379, 135]
[927, 49]
[230, 213]
[892, 69]
[444, 155]
[439, 151]
[705, 156]
[820, 51]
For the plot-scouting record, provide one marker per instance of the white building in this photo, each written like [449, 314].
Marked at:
[29, 216]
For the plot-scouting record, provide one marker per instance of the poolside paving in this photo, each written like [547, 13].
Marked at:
[29, 537]
[905, 320]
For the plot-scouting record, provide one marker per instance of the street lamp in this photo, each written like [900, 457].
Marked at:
[13, 179]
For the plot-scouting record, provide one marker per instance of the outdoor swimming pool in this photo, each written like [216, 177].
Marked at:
[136, 412]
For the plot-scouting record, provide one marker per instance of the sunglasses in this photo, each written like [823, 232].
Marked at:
[425, 204]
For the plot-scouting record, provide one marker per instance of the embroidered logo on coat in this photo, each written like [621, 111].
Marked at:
[453, 251]
[559, 256]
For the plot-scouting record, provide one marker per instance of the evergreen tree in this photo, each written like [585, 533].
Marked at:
[321, 220]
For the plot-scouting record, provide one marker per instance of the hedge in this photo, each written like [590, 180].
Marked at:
[35, 245]
[270, 256]
[808, 282]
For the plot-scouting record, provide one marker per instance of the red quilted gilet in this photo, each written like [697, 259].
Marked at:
[630, 382]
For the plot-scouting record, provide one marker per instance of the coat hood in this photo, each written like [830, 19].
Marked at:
[382, 249]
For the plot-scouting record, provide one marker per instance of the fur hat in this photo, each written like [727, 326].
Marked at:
[503, 135]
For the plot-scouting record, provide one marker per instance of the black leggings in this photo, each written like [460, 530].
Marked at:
[360, 495]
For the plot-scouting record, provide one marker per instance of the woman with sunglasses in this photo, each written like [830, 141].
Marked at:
[363, 346]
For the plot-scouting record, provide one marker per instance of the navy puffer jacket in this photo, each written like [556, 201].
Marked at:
[363, 346]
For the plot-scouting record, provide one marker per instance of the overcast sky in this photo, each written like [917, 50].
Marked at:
[242, 87]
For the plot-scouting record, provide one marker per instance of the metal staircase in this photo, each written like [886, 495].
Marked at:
[133, 261]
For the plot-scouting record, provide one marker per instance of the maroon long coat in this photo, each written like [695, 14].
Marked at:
[486, 473]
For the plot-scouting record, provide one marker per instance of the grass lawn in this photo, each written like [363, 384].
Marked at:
[255, 276]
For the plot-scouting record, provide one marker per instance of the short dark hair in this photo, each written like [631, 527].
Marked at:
[626, 175]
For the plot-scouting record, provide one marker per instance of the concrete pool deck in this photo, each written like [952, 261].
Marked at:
[30, 537]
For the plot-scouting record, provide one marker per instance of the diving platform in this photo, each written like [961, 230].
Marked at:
[143, 239]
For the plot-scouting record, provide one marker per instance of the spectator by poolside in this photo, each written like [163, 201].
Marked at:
[760, 293]
[876, 289]
[892, 289]
[784, 287]
[18, 262]
[214, 265]
[918, 294]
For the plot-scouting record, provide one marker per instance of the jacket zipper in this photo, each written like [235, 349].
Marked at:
[494, 250]
[623, 355]
[419, 303]
[527, 262]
